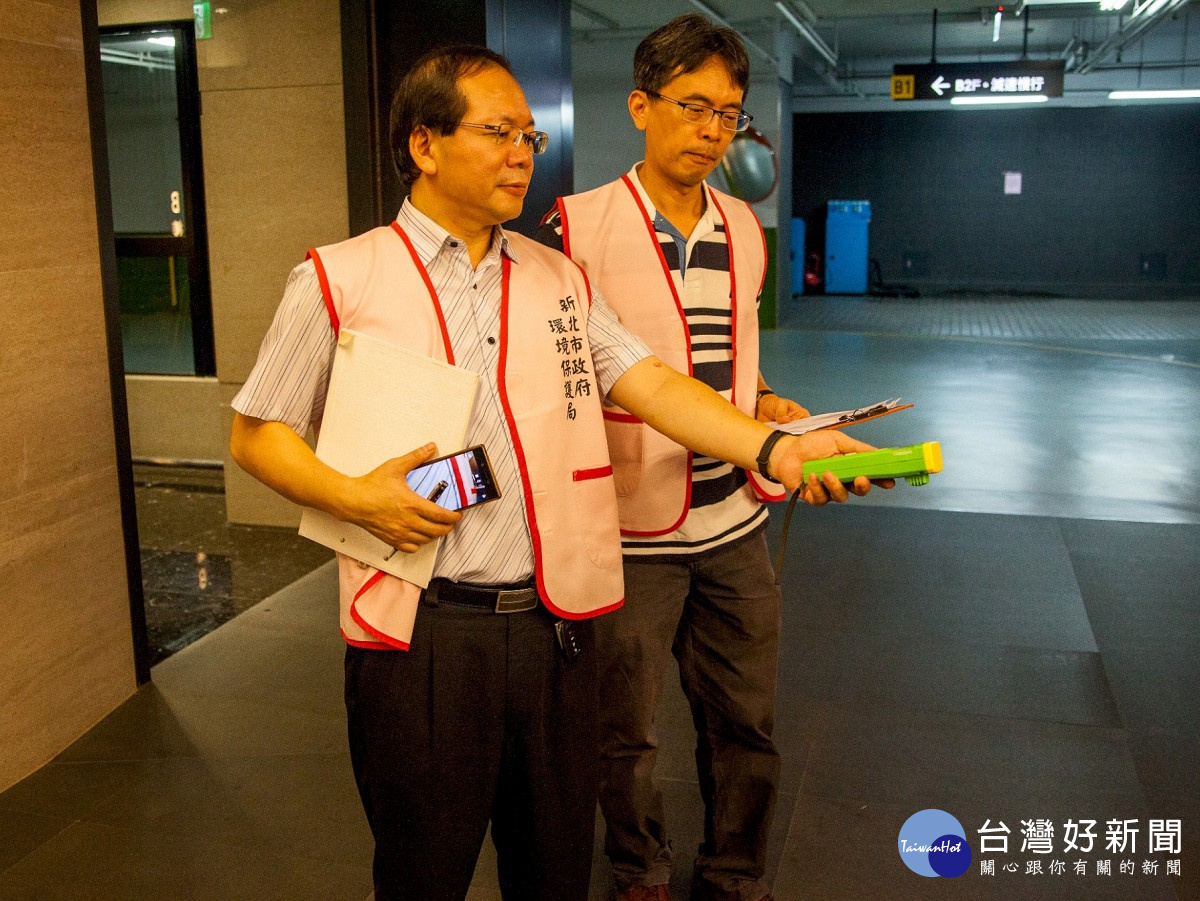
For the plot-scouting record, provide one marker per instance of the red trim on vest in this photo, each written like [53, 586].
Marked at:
[759, 492]
[370, 583]
[636, 533]
[326, 291]
[587, 282]
[762, 495]
[368, 645]
[687, 335]
[762, 236]
[687, 340]
[387, 642]
[437, 304]
[566, 232]
[566, 239]
[522, 466]
[582, 475]
[385, 639]
[619, 417]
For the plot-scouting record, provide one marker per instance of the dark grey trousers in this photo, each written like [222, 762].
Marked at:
[719, 613]
[482, 720]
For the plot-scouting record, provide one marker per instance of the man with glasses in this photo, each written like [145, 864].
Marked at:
[473, 701]
[682, 265]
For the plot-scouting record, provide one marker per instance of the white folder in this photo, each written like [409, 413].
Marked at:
[384, 401]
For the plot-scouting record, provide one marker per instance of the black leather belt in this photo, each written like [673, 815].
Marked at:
[497, 598]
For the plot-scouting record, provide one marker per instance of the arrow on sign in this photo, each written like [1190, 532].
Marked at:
[940, 85]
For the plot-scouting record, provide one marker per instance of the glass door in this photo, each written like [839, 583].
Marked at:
[152, 116]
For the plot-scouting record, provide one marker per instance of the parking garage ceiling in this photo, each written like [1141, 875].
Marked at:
[841, 53]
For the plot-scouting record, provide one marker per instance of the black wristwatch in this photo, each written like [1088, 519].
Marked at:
[764, 454]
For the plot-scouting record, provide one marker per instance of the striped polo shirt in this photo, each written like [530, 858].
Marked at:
[723, 506]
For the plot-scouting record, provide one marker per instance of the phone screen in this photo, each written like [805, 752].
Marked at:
[456, 481]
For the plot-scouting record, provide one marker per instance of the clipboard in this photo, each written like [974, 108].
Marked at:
[384, 401]
[842, 418]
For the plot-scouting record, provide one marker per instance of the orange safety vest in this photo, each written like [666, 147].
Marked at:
[608, 232]
[376, 284]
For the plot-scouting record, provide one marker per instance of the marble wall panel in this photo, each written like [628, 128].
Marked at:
[54, 25]
[67, 656]
[275, 174]
[46, 152]
[64, 620]
[133, 12]
[55, 371]
[272, 43]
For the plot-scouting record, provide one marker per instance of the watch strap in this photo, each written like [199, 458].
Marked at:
[764, 453]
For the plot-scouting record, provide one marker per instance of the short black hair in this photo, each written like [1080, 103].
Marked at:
[429, 95]
[685, 44]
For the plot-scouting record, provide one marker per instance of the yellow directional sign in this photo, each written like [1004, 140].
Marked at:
[904, 87]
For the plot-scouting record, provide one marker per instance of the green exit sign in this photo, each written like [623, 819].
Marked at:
[202, 15]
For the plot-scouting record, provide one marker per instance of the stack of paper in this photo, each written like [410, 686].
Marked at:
[384, 401]
[840, 419]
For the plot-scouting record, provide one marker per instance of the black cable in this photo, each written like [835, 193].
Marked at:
[787, 521]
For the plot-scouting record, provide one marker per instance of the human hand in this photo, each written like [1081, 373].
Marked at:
[385, 506]
[789, 455]
[773, 408]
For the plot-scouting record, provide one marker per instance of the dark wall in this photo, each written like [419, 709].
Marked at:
[535, 35]
[381, 39]
[1110, 201]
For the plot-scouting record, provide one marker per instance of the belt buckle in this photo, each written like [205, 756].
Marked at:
[517, 601]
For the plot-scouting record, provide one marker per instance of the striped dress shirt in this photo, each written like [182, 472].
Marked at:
[491, 544]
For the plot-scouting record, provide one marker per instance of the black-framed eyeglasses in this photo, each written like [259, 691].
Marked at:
[536, 141]
[699, 114]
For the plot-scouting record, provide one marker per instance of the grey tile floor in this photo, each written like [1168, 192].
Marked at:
[1017, 641]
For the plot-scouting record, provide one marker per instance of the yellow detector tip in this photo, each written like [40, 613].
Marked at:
[933, 456]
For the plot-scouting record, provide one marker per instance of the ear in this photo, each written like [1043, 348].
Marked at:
[420, 145]
[639, 106]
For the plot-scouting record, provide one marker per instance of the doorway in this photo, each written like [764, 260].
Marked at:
[152, 121]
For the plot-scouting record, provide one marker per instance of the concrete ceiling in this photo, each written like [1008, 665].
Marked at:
[1103, 50]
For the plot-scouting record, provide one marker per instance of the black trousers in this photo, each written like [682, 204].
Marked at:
[481, 720]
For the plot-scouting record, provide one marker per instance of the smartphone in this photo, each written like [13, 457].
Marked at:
[456, 481]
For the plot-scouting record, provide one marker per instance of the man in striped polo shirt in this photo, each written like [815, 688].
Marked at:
[683, 265]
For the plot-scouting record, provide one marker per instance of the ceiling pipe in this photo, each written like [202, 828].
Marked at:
[1070, 53]
[143, 60]
[712, 14]
[805, 30]
[1145, 17]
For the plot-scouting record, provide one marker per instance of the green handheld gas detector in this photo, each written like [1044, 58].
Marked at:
[914, 463]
